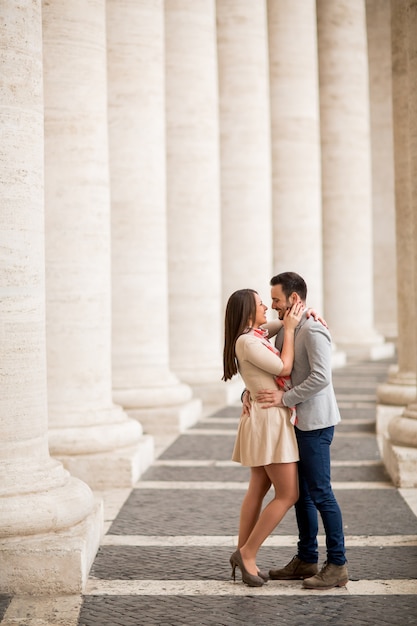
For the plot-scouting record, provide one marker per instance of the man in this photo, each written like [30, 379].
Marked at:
[313, 397]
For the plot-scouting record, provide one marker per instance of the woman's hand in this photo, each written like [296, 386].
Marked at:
[313, 313]
[293, 315]
[246, 403]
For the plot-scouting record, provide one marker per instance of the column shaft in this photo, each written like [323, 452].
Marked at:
[242, 46]
[193, 206]
[378, 20]
[406, 288]
[400, 388]
[86, 428]
[400, 444]
[296, 180]
[142, 381]
[49, 524]
[346, 177]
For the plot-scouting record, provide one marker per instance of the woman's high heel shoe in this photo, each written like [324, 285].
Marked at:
[249, 579]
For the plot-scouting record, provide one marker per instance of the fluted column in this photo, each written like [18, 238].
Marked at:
[92, 436]
[378, 20]
[49, 523]
[400, 388]
[400, 444]
[296, 180]
[346, 177]
[142, 381]
[193, 198]
[242, 46]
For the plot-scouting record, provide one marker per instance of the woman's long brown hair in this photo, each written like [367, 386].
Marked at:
[240, 310]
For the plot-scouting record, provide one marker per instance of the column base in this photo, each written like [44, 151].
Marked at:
[396, 395]
[401, 463]
[219, 393]
[116, 468]
[393, 396]
[384, 414]
[54, 563]
[84, 431]
[172, 393]
[166, 423]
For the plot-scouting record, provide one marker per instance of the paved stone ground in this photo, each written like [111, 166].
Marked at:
[165, 557]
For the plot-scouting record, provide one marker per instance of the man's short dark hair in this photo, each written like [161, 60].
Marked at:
[290, 282]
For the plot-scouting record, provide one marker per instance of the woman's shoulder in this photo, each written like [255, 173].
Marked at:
[248, 337]
[245, 340]
[244, 337]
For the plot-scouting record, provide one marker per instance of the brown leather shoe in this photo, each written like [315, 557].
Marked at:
[296, 569]
[329, 576]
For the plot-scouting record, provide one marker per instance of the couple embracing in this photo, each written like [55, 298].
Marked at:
[285, 431]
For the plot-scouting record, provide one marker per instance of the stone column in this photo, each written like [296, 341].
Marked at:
[242, 47]
[193, 198]
[400, 388]
[142, 381]
[378, 20]
[346, 178]
[93, 437]
[49, 523]
[296, 180]
[400, 445]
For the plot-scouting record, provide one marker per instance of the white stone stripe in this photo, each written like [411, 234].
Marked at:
[279, 541]
[352, 405]
[361, 385]
[356, 398]
[208, 431]
[219, 420]
[229, 588]
[212, 431]
[194, 463]
[213, 463]
[227, 433]
[357, 464]
[179, 484]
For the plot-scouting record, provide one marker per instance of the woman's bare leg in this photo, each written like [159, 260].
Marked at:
[285, 480]
[250, 510]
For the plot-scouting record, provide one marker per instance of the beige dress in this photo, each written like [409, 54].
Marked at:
[266, 435]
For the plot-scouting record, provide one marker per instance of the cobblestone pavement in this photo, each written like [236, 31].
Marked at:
[165, 557]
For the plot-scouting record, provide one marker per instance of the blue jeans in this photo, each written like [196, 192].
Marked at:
[316, 494]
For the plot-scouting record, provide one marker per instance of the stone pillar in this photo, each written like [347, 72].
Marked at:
[400, 388]
[242, 47]
[142, 381]
[50, 525]
[193, 198]
[93, 437]
[296, 180]
[346, 178]
[378, 20]
[400, 444]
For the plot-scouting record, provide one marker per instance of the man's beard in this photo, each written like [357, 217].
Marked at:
[282, 313]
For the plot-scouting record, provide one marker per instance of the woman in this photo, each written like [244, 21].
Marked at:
[265, 440]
